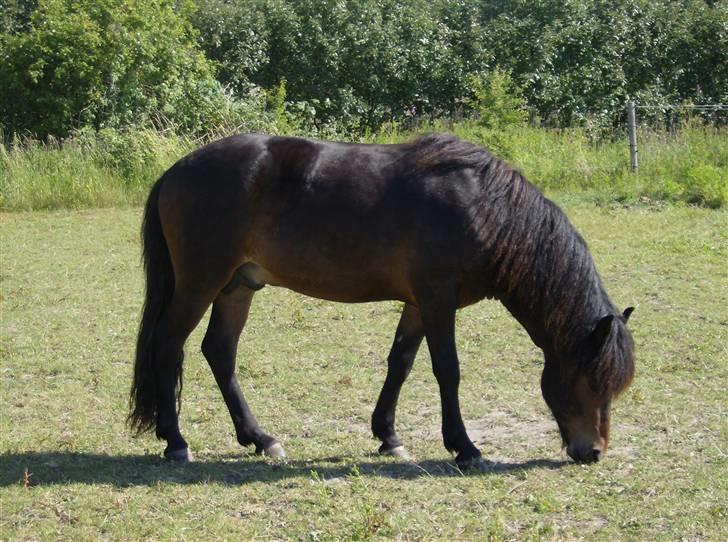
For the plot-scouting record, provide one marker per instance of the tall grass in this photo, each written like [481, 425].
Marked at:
[690, 165]
[103, 169]
[112, 168]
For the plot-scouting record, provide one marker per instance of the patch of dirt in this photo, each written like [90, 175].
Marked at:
[502, 429]
[504, 437]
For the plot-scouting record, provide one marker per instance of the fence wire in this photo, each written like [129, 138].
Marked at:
[662, 107]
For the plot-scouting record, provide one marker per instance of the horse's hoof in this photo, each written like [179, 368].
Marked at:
[474, 464]
[398, 451]
[183, 455]
[275, 450]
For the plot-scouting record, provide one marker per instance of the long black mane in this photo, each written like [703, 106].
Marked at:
[540, 266]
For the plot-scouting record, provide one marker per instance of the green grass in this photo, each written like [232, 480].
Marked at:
[89, 170]
[70, 296]
[689, 166]
[114, 168]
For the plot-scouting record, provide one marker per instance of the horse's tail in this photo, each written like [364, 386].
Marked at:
[144, 398]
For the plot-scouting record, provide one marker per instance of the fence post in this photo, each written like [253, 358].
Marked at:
[632, 127]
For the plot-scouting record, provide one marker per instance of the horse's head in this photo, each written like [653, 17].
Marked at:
[579, 387]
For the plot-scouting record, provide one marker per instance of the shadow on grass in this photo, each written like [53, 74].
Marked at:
[58, 468]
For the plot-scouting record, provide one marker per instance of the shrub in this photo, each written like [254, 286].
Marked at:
[105, 63]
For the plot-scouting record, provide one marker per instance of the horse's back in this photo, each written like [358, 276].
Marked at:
[348, 222]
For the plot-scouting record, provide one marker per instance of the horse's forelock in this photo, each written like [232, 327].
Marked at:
[613, 369]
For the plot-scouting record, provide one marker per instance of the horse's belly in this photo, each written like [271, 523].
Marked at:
[333, 284]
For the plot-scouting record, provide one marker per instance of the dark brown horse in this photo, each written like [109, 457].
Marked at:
[437, 223]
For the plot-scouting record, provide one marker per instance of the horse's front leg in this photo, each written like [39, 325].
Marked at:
[437, 308]
[407, 341]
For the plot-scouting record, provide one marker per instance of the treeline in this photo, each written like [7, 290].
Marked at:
[348, 66]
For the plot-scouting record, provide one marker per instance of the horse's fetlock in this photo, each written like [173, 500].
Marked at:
[468, 456]
[382, 427]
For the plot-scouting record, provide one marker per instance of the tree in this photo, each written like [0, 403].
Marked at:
[233, 34]
[498, 102]
[15, 15]
[105, 63]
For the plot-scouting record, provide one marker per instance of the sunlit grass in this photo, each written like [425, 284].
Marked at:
[70, 294]
[89, 170]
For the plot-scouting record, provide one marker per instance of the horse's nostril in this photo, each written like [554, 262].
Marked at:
[596, 454]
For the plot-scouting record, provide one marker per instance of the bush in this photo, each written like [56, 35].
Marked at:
[106, 63]
[500, 109]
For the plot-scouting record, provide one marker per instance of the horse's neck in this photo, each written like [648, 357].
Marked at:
[558, 317]
[540, 269]
[556, 327]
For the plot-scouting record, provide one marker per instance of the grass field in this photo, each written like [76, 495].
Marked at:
[70, 293]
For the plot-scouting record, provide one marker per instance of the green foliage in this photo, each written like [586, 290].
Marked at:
[105, 63]
[350, 67]
[276, 102]
[15, 15]
[361, 64]
[705, 185]
[497, 100]
[234, 35]
[356, 64]
[579, 60]
[499, 108]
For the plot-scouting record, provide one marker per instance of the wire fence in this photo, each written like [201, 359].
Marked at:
[670, 116]
[667, 107]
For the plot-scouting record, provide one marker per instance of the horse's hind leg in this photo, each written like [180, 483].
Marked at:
[407, 341]
[179, 319]
[229, 314]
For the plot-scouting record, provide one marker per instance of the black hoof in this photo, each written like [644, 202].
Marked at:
[182, 455]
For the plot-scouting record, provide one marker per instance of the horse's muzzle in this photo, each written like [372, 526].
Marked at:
[584, 455]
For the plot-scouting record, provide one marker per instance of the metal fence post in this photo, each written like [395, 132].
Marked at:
[632, 127]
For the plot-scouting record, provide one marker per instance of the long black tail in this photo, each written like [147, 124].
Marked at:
[144, 395]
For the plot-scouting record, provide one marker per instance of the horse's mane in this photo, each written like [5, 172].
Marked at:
[540, 266]
[440, 152]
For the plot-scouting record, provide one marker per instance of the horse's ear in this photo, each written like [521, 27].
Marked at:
[626, 313]
[602, 330]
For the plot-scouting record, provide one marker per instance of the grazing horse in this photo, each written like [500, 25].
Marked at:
[437, 223]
